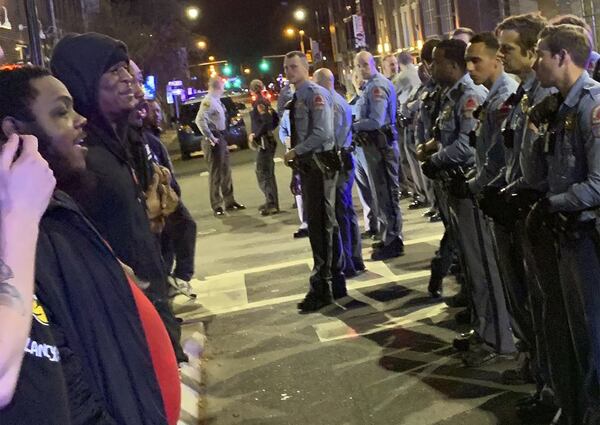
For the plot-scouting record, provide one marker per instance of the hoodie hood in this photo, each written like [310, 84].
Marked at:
[80, 60]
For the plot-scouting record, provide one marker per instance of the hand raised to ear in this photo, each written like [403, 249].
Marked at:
[26, 180]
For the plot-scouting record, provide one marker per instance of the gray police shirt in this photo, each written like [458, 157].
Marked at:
[313, 115]
[456, 121]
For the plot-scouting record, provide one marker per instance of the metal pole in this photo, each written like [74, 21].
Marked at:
[55, 32]
[33, 28]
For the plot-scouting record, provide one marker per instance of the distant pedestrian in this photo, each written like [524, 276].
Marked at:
[264, 120]
[212, 122]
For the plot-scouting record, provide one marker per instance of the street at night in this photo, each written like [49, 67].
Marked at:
[299, 212]
[385, 358]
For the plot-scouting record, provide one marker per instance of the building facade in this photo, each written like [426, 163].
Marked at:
[55, 17]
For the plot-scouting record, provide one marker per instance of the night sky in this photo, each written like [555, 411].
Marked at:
[242, 31]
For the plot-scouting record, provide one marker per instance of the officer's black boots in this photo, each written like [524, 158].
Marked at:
[318, 297]
[435, 287]
[394, 249]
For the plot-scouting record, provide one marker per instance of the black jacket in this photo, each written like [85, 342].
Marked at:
[88, 297]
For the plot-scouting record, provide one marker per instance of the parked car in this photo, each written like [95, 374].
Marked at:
[189, 134]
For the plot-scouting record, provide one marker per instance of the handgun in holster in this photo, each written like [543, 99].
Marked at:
[328, 162]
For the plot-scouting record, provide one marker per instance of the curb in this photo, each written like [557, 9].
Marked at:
[191, 376]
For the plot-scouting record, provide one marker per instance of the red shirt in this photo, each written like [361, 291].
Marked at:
[161, 351]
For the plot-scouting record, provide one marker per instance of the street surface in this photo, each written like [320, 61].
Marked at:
[384, 359]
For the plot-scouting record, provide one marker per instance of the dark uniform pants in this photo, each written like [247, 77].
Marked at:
[318, 192]
[219, 173]
[566, 375]
[509, 257]
[348, 223]
[444, 256]
[579, 269]
[364, 190]
[410, 149]
[406, 182]
[265, 171]
[178, 241]
[475, 243]
[383, 168]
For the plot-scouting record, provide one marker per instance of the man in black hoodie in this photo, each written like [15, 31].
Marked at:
[95, 70]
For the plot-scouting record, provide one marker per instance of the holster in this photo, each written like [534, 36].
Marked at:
[569, 225]
[328, 162]
[346, 158]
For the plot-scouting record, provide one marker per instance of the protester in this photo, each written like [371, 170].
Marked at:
[102, 321]
[94, 68]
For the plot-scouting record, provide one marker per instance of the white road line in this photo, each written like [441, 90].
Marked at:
[308, 261]
[274, 301]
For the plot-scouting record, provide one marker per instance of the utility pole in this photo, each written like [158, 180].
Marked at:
[33, 29]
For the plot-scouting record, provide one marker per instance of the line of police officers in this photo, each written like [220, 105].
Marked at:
[508, 129]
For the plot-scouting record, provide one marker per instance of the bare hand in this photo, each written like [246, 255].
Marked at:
[26, 182]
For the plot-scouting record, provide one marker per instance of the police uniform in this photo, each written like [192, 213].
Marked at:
[489, 160]
[344, 208]
[377, 120]
[362, 180]
[313, 140]
[455, 123]
[211, 120]
[409, 111]
[525, 298]
[405, 82]
[431, 99]
[572, 148]
[262, 127]
[285, 132]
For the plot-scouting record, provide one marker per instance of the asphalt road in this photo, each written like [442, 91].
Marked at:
[384, 359]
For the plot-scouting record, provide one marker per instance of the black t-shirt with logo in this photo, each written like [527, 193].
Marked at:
[41, 394]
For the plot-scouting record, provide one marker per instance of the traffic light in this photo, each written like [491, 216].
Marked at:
[227, 70]
[264, 66]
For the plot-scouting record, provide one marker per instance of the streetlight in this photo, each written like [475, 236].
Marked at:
[300, 15]
[202, 45]
[192, 12]
[211, 58]
[290, 32]
[247, 71]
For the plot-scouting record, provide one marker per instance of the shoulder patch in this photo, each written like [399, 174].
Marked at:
[378, 93]
[470, 104]
[596, 121]
[502, 112]
[319, 101]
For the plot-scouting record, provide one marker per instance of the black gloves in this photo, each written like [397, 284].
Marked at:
[459, 188]
[430, 169]
[538, 216]
[493, 203]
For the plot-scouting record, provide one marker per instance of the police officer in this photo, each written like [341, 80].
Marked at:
[485, 67]
[285, 133]
[430, 96]
[390, 66]
[313, 153]
[263, 123]
[572, 147]
[377, 121]
[212, 122]
[508, 200]
[344, 208]
[360, 162]
[455, 156]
